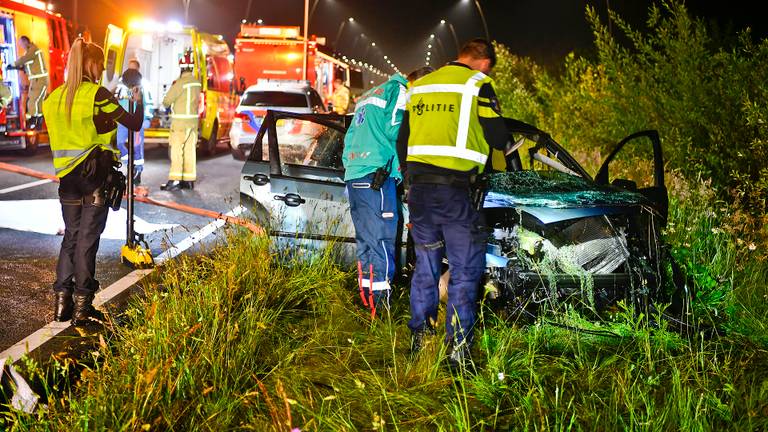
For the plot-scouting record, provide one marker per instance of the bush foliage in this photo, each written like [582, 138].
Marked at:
[707, 101]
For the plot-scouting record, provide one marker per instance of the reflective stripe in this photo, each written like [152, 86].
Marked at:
[42, 63]
[379, 102]
[184, 116]
[38, 108]
[466, 109]
[189, 96]
[448, 151]
[450, 88]
[42, 75]
[377, 286]
[399, 105]
[69, 153]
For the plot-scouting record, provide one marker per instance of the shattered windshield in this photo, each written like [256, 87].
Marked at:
[553, 189]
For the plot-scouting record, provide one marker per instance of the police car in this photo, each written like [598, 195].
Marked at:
[283, 95]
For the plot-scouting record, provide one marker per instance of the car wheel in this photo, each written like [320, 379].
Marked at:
[210, 144]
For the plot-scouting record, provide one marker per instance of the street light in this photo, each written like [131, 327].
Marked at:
[482, 17]
[186, 11]
[453, 33]
[341, 29]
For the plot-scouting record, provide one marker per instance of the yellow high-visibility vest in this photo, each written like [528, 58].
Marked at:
[444, 114]
[72, 140]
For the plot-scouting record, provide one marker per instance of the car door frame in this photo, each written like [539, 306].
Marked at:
[657, 194]
[268, 129]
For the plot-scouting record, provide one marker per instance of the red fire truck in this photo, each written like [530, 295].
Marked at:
[277, 52]
[48, 31]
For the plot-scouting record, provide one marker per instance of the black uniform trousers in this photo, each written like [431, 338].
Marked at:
[84, 223]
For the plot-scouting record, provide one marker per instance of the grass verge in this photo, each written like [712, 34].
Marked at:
[242, 339]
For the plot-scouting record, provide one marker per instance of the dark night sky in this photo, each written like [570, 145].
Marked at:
[545, 30]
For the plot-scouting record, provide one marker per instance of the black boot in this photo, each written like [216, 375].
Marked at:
[62, 310]
[84, 312]
[172, 185]
[420, 338]
[185, 184]
[137, 179]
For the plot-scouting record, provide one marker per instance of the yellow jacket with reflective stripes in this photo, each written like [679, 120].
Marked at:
[184, 98]
[444, 108]
[33, 63]
[73, 139]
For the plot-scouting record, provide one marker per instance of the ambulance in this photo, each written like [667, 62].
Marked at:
[158, 48]
[47, 30]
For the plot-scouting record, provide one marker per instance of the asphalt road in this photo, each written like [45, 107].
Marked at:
[28, 259]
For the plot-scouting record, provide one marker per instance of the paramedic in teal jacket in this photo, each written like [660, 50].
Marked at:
[370, 145]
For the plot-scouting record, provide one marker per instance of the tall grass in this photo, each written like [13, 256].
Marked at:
[242, 340]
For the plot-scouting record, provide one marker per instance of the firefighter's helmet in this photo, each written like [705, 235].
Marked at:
[185, 61]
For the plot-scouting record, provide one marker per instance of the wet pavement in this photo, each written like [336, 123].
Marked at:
[28, 259]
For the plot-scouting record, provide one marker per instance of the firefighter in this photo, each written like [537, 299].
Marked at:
[81, 117]
[183, 97]
[452, 121]
[34, 66]
[340, 97]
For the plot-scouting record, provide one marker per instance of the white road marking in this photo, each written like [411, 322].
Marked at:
[52, 329]
[25, 186]
[196, 236]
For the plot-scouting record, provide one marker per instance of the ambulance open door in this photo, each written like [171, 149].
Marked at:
[113, 56]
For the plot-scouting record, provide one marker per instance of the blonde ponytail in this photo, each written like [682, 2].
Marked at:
[74, 74]
[81, 54]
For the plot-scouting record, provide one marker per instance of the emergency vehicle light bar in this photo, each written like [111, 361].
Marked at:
[279, 81]
[276, 32]
[37, 4]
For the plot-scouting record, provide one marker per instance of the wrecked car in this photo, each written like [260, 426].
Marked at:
[554, 231]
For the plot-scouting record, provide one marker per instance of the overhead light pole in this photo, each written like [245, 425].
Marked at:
[453, 33]
[341, 29]
[482, 18]
[306, 39]
[186, 11]
[248, 10]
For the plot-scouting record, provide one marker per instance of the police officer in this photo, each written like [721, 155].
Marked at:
[81, 117]
[183, 97]
[34, 66]
[452, 121]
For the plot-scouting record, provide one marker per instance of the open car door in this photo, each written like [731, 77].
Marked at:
[656, 191]
[113, 56]
[293, 179]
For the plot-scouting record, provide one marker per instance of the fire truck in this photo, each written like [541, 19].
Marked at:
[277, 52]
[48, 31]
